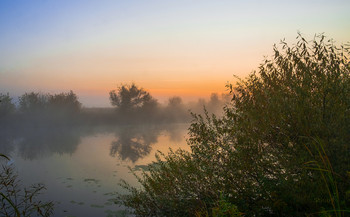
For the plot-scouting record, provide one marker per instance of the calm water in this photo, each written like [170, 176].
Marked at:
[81, 167]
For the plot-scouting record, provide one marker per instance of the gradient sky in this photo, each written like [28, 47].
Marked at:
[186, 48]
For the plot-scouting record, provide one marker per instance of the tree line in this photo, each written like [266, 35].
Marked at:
[134, 103]
[131, 104]
[36, 107]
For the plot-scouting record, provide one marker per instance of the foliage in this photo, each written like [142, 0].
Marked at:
[133, 102]
[130, 97]
[37, 102]
[175, 111]
[133, 105]
[6, 105]
[225, 209]
[33, 102]
[47, 108]
[213, 105]
[65, 102]
[322, 164]
[222, 209]
[18, 201]
[258, 154]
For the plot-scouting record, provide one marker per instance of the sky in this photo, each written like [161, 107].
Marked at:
[187, 48]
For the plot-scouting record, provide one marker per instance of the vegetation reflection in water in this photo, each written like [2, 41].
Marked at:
[81, 166]
[55, 141]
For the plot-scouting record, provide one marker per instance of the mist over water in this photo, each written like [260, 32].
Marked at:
[80, 154]
[82, 165]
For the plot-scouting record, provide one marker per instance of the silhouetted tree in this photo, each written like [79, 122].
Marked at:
[6, 105]
[49, 110]
[65, 102]
[33, 102]
[176, 110]
[214, 103]
[133, 102]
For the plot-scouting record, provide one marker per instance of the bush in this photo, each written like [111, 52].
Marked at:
[261, 156]
[18, 201]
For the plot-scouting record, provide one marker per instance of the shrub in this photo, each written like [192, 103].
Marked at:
[257, 156]
[18, 201]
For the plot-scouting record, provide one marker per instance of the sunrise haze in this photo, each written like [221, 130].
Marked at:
[171, 48]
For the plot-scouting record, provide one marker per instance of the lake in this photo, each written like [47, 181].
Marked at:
[81, 166]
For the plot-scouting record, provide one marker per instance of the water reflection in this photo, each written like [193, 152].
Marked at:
[81, 165]
[61, 141]
[131, 143]
[176, 133]
[32, 143]
[134, 142]
[7, 140]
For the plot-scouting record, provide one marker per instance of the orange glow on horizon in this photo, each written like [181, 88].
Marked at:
[178, 88]
[187, 90]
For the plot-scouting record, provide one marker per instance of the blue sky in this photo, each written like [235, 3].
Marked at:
[187, 48]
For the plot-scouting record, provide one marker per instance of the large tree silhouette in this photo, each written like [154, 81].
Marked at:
[133, 102]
